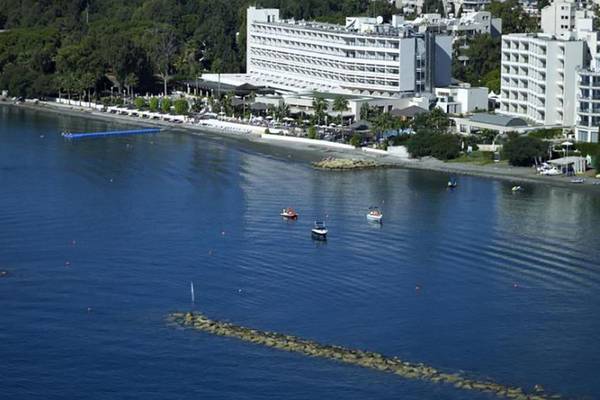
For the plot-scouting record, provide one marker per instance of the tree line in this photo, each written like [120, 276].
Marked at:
[87, 47]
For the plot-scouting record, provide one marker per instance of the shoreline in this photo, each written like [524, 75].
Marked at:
[317, 151]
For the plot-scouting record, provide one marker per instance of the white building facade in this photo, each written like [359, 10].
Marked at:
[364, 57]
[462, 99]
[538, 75]
[553, 78]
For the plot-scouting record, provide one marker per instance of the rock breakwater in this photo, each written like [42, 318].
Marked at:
[361, 358]
[344, 164]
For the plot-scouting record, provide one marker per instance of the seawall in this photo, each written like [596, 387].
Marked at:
[361, 358]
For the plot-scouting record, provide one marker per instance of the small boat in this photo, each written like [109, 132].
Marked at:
[578, 180]
[289, 213]
[452, 183]
[374, 214]
[319, 231]
[517, 189]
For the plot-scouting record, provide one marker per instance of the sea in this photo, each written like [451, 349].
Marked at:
[101, 239]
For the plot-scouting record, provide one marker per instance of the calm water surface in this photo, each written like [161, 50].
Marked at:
[122, 225]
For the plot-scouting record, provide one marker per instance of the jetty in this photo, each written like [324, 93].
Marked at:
[366, 359]
[81, 135]
[342, 164]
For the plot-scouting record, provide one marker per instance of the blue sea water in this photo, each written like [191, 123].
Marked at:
[509, 282]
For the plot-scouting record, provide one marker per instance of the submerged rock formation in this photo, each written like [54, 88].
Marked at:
[344, 164]
[361, 358]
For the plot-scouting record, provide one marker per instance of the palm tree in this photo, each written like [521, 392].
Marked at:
[340, 104]
[282, 111]
[319, 105]
[227, 103]
[130, 81]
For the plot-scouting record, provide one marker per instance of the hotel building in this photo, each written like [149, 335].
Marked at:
[363, 57]
[552, 78]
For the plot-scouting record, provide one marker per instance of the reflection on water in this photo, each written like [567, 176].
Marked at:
[507, 282]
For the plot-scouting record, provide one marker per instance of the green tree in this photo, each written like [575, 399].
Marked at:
[181, 107]
[312, 132]
[340, 105]
[140, 103]
[477, 61]
[356, 140]
[524, 150]
[429, 143]
[153, 104]
[434, 120]
[319, 105]
[162, 48]
[131, 81]
[514, 17]
[165, 105]
[227, 104]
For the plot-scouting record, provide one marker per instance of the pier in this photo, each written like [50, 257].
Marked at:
[81, 135]
[360, 358]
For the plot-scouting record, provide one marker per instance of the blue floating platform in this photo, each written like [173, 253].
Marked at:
[144, 131]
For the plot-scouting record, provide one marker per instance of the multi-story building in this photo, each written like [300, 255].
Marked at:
[366, 56]
[538, 75]
[553, 78]
[466, 26]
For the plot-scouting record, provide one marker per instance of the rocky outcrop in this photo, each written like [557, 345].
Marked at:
[361, 358]
[344, 164]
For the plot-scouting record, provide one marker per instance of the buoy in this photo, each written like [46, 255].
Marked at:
[515, 285]
[210, 252]
[222, 233]
[418, 287]
[239, 290]
[67, 263]
[110, 180]
[3, 273]
[89, 309]
[73, 242]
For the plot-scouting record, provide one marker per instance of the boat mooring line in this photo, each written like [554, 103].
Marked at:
[361, 358]
[82, 135]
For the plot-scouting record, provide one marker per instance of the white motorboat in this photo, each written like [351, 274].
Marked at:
[289, 213]
[577, 180]
[517, 189]
[374, 215]
[319, 231]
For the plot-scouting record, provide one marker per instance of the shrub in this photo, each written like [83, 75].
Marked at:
[153, 104]
[139, 103]
[312, 132]
[165, 105]
[442, 146]
[267, 131]
[355, 140]
[523, 150]
[546, 133]
[181, 107]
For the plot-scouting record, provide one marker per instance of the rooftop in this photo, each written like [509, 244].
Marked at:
[498, 119]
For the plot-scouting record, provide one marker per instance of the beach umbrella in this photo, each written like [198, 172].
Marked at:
[566, 144]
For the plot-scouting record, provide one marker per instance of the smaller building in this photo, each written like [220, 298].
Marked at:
[408, 113]
[462, 99]
[570, 165]
[493, 122]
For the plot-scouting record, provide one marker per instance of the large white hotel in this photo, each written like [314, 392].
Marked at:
[364, 57]
[553, 78]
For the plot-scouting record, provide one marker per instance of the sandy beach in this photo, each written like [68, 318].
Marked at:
[317, 149]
